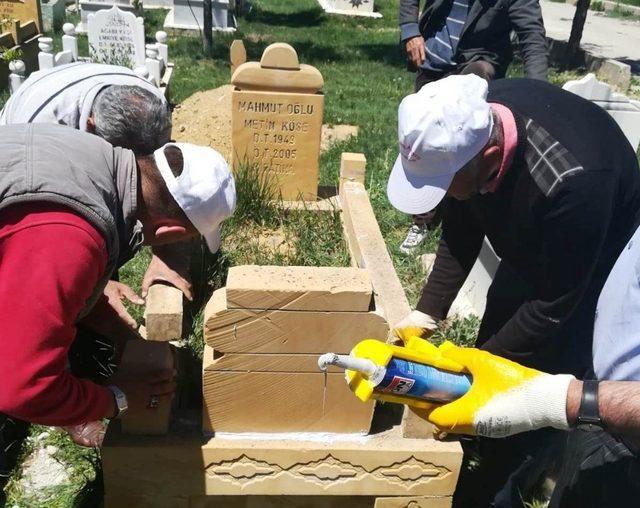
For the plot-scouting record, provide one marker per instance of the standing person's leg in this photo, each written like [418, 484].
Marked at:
[480, 68]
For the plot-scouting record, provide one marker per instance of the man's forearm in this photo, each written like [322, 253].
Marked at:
[619, 404]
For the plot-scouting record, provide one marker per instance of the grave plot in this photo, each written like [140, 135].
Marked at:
[20, 28]
[274, 432]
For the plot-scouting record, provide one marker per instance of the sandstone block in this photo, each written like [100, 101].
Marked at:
[163, 315]
[299, 288]
[139, 358]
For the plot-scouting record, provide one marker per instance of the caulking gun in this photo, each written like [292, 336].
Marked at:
[414, 374]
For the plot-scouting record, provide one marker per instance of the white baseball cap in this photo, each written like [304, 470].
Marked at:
[440, 129]
[205, 190]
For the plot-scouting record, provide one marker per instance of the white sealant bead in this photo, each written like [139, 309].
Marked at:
[161, 36]
[45, 44]
[17, 67]
[69, 29]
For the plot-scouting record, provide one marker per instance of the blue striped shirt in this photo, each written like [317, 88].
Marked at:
[441, 48]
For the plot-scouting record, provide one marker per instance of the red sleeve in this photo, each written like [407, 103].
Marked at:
[50, 261]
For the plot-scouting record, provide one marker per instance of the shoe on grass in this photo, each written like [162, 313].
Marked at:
[415, 237]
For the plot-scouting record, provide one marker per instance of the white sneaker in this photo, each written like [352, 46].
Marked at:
[415, 237]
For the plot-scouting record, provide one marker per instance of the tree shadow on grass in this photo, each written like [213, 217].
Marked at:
[307, 18]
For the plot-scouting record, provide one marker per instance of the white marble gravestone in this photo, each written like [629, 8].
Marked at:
[350, 7]
[116, 37]
[88, 7]
[625, 112]
[189, 15]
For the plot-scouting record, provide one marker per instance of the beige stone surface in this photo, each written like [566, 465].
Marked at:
[368, 248]
[280, 133]
[263, 362]
[297, 288]
[284, 331]
[276, 120]
[352, 167]
[186, 465]
[282, 402]
[22, 10]
[336, 133]
[413, 502]
[163, 314]
[237, 54]
[139, 358]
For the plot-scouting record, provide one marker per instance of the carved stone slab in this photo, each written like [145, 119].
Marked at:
[381, 465]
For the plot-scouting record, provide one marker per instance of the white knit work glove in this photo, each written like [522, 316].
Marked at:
[418, 323]
[505, 398]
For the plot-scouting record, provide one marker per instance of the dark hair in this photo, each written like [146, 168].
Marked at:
[132, 117]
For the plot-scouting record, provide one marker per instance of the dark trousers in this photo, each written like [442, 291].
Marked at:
[597, 471]
[506, 471]
[480, 68]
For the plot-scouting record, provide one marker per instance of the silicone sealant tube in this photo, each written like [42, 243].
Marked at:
[404, 377]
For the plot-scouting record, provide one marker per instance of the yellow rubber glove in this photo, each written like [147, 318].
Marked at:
[505, 398]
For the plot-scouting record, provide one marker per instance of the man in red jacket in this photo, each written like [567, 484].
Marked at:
[69, 203]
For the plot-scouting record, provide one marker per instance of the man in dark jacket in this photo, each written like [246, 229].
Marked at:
[467, 37]
[553, 183]
[470, 36]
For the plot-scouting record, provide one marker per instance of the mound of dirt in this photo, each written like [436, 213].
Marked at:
[205, 119]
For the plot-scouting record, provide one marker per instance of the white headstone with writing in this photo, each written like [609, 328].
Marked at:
[89, 7]
[116, 37]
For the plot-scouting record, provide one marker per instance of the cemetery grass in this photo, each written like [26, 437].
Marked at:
[365, 79]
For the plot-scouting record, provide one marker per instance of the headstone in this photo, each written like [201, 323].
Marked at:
[88, 7]
[21, 10]
[189, 15]
[116, 37]
[350, 7]
[624, 111]
[20, 28]
[53, 14]
[237, 54]
[277, 108]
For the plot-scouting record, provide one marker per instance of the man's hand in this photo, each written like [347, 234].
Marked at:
[505, 398]
[88, 434]
[159, 271]
[415, 51]
[139, 391]
[416, 323]
[115, 293]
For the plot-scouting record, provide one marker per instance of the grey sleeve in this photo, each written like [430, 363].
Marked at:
[408, 19]
[526, 19]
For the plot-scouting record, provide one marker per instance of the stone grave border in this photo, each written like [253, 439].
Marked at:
[399, 467]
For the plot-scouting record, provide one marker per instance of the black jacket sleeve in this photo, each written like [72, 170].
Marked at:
[408, 19]
[526, 19]
[575, 225]
[458, 250]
